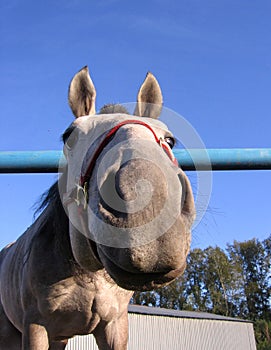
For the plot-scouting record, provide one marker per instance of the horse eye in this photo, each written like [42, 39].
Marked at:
[170, 141]
[71, 140]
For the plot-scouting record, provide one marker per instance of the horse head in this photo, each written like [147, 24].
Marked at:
[130, 206]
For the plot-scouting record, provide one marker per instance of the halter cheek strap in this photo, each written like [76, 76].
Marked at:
[80, 193]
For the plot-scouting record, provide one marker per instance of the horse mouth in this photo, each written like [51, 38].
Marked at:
[138, 281]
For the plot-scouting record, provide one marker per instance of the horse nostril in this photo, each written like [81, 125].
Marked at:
[110, 194]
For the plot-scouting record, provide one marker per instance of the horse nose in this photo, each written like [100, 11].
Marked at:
[137, 189]
[142, 185]
[138, 202]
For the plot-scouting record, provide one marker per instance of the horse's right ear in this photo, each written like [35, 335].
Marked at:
[82, 94]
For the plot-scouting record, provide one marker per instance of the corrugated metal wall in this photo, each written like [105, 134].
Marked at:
[189, 334]
[152, 332]
[82, 343]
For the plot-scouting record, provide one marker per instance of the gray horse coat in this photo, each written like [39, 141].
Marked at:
[118, 219]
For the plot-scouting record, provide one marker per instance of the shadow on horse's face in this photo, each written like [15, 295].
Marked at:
[126, 198]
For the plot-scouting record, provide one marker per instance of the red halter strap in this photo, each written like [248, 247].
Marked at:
[86, 177]
[79, 194]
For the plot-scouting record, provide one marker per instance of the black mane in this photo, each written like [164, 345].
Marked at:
[51, 208]
[51, 196]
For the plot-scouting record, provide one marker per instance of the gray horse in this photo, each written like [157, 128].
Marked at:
[118, 219]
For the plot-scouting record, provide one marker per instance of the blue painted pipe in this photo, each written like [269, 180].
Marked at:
[193, 159]
[225, 159]
[30, 161]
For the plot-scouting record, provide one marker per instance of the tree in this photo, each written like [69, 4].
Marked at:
[253, 260]
[263, 334]
[195, 289]
[221, 282]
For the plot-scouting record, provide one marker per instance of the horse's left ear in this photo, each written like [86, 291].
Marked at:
[82, 94]
[149, 98]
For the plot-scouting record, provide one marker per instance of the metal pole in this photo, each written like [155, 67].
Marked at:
[30, 161]
[225, 159]
[193, 159]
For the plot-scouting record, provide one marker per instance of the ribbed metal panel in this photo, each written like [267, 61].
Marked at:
[163, 332]
[82, 343]
[188, 334]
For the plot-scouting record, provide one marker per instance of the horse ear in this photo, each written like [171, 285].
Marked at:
[82, 94]
[149, 98]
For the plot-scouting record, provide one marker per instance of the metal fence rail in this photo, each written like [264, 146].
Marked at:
[193, 159]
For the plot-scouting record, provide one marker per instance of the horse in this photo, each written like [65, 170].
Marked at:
[117, 220]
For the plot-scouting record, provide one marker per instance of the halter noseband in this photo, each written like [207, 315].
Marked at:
[81, 195]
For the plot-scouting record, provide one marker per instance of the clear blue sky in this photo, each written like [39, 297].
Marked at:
[213, 62]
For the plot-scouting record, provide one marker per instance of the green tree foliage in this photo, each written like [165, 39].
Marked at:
[221, 282]
[253, 260]
[263, 334]
[233, 282]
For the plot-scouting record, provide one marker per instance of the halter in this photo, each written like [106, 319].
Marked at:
[80, 193]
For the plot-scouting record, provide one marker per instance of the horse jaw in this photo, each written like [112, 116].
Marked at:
[84, 251]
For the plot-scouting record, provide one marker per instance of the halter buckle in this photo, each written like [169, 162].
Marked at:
[79, 195]
[81, 198]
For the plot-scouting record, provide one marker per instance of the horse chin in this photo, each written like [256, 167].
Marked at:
[138, 281]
